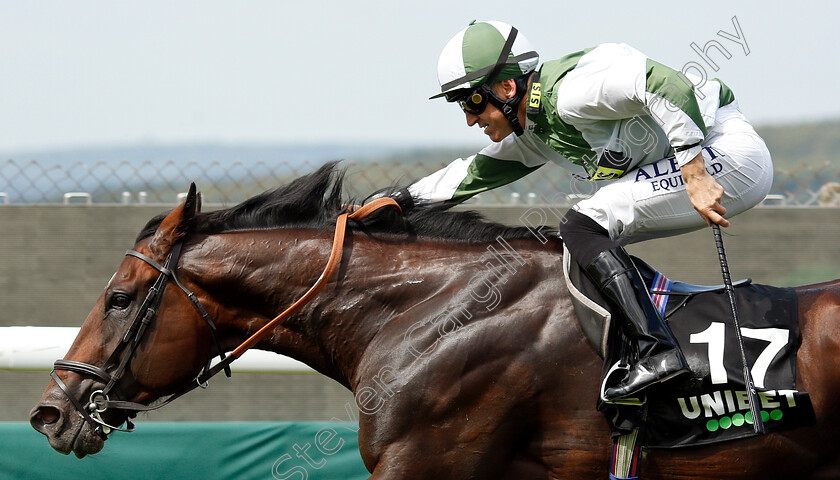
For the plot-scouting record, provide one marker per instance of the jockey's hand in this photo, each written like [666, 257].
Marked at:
[704, 192]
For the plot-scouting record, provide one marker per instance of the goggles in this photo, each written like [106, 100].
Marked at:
[473, 102]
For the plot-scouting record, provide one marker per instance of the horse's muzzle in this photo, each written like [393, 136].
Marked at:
[66, 430]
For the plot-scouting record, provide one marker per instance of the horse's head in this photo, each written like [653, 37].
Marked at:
[142, 340]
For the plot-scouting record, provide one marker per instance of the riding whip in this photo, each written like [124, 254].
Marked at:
[758, 423]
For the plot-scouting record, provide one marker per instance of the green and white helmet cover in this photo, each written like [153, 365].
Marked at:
[470, 56]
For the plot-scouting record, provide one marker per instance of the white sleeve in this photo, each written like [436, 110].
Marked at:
[496, 165]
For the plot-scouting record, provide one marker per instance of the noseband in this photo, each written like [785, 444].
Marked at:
[99, 401]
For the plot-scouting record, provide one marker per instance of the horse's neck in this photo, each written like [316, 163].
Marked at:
[254, 276]
[379, 286]
[375, 284]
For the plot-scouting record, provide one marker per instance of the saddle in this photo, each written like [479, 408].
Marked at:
[710, 405]
[593, 309]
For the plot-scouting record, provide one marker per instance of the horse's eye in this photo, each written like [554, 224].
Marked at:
[120, 301]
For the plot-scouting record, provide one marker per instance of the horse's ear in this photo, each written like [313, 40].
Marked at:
[175, 226]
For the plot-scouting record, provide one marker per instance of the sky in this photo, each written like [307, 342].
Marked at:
[104, 73]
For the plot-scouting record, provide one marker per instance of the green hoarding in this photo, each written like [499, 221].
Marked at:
[288, 450]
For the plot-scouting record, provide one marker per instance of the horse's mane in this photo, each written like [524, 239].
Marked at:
[315, 201]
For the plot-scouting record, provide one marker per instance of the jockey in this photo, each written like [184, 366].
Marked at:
[662, 147]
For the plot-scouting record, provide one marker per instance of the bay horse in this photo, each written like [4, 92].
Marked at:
[457, 337]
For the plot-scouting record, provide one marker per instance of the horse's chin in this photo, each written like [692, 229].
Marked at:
[80, 439]
[87, 442]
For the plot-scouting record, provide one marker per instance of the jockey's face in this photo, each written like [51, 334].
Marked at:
[492, 120]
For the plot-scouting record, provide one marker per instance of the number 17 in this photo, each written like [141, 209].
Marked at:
[714, 337]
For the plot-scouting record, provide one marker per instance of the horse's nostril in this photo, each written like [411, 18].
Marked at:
[48, 415]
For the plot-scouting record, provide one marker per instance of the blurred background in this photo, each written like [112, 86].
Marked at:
[108, 110]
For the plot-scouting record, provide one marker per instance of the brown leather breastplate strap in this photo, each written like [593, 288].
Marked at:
[332, 263]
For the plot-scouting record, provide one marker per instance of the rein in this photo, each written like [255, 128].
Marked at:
[99, 401]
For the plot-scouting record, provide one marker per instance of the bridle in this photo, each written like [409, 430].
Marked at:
[99, 400]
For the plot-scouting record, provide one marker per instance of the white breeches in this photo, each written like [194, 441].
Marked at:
[650, 201]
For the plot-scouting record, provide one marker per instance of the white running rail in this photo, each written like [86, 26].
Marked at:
[34, 349]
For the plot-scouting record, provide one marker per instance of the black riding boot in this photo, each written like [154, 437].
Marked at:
[660, 357]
